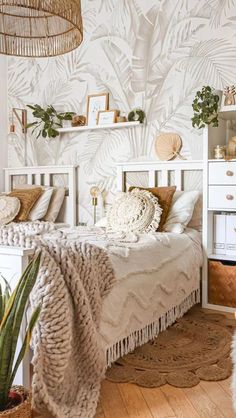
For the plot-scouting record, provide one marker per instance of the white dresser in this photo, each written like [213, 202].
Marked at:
[219, 198]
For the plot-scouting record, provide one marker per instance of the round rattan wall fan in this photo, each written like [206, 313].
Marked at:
[40, 28]
[168, 146]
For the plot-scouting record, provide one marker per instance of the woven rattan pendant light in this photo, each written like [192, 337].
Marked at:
[40, 28]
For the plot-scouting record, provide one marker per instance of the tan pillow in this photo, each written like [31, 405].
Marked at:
[27, 198]
[165, 196]
[55, 204]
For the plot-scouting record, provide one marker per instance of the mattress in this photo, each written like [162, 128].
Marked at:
[158, 279]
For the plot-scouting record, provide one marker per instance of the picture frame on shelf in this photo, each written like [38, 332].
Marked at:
[95, 103]
[106, 117]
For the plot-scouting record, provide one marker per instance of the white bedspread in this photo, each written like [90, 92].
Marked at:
[156, 273]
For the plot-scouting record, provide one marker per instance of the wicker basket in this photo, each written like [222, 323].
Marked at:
[21, 411]
[222, 284]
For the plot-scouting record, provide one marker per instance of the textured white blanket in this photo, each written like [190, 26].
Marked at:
[69, 361]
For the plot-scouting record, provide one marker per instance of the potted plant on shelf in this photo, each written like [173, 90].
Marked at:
[49, 120]
[15, 401]
[205, 107]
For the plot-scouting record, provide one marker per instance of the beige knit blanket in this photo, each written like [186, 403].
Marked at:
[68, 360]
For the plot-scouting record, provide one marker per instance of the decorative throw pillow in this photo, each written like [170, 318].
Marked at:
[196, 220]
[55, 204]
[40, 208]
[27, 198]
[136, 211]
[9, 208]
[181, 211]
[165, 197]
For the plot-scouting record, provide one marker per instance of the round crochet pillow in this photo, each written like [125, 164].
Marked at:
[9, 208]
[136, 211]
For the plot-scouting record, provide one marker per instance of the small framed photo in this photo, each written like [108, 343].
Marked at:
[95, 104]
[107, 116]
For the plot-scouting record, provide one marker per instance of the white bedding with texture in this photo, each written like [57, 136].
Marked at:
[155, 273]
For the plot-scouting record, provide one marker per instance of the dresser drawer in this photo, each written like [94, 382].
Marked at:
[222, 172]
[222, 197]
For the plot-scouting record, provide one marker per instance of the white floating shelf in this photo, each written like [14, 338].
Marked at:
[223, 257]
[227, 112]
[95, 127]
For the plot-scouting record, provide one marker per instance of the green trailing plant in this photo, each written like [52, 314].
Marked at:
[205, 107]
[136, 115]
[12, 309]
[49, 120]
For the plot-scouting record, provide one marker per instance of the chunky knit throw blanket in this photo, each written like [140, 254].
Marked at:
[69, 362]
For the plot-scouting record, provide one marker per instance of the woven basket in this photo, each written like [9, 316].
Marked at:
[222, 284]
[21, 411]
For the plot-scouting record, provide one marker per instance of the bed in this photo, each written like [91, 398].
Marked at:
[150, 291]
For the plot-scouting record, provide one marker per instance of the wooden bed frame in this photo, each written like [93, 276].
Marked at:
[13, 260]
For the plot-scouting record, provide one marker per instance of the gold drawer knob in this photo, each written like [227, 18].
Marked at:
[229, 197]
[229, 173]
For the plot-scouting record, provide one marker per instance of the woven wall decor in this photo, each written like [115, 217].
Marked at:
[32, 28]
[168, 146]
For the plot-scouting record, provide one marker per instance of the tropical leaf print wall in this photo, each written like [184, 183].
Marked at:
[148, 53]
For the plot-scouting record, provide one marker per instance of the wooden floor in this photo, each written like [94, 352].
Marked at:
[207, 400]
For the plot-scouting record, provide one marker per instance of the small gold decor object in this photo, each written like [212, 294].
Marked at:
[94, 192]
[32, 28]
[231, 149]
[78, 120]
[219, 152]
[229, 93]
[168, 146]
[121, 119]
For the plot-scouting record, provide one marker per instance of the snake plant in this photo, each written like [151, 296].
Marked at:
[12, 310]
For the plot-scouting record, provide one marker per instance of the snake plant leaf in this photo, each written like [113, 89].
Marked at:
[1, 304]
[5, 356]
[16, 292]
[21, 303]
[10, 328]
[26, 343]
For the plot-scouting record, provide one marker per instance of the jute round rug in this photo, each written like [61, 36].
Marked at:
[197, 347]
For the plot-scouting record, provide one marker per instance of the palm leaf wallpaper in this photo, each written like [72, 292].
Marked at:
[149, 53]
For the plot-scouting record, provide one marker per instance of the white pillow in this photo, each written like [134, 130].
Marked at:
[9, 209]
[181, 211]
[196, 220]
[55, 204]
[40, 208]
[137, 211]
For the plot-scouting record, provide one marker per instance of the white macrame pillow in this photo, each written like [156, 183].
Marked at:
[137, 211]
[9, 209]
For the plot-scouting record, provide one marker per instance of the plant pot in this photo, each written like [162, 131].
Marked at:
[23, 410]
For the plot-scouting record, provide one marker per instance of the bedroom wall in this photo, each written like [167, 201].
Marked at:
[3, 118]
[149, 53]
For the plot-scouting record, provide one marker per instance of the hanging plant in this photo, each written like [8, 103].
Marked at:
[205, 107]
[136, 115]
[49, 120]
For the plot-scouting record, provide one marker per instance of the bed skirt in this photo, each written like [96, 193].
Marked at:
[142, 336]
